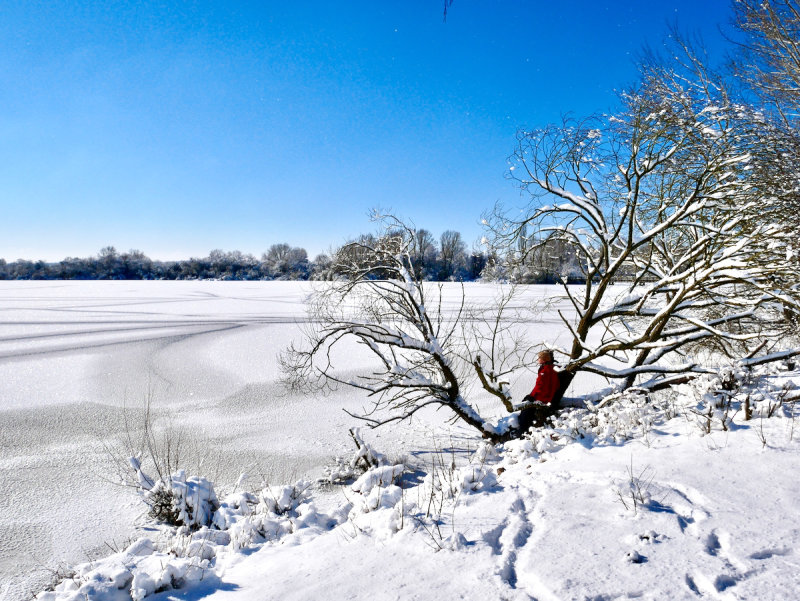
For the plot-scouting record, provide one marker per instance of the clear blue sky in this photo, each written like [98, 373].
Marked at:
[180, 127]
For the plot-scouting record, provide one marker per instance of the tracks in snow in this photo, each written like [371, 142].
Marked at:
[722, 569]
[514, 533]
[508, 541]
[684, 536]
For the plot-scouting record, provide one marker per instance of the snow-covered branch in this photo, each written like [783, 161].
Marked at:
[665, 206]
[420, 358]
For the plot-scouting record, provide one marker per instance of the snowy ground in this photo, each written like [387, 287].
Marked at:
[720, 522]
[635, 502]
[631, 502]
[75, 355]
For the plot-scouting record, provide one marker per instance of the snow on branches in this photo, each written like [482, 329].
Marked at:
[680, 248]
[424, 354]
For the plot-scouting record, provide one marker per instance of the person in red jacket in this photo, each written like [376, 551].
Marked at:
[547, 381]
[542, 394]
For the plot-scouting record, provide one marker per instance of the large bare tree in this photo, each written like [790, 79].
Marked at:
[659, 204]
[425, 349]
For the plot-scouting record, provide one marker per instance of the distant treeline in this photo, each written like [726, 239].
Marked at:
[280, 262]
[446, 259]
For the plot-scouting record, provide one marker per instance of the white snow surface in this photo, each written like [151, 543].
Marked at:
[622, 503]
[631, 501]
[721, 524]
[76, 356]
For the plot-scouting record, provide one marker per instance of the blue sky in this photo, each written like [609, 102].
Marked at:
[179, 127]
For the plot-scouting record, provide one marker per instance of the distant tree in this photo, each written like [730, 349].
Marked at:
[193, 269]
[298, 267]
[476, 263]
[170, 270]
[108, 264]
[282, 261]
[321, 268]
[233, 265]
[73, 268]
[218, 264]
[135, 265]
[549, 261]
[274, 260]
[452, 260]
[21, 269]
[423, 253]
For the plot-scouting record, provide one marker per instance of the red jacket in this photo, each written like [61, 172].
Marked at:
[546, 384]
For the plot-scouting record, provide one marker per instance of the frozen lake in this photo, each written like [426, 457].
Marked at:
[75, 357]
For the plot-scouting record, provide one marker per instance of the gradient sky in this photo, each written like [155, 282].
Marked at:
[179, 127]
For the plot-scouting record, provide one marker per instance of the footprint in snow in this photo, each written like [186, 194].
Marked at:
[770, 553]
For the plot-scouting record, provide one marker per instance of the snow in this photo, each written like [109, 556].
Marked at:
[77, 356]
[627, 502]
[628, 499]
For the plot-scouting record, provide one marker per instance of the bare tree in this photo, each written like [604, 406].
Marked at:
[451, 254]
[424, 352]
[286, 262]
[769, 64]
[770, 57]
[423, 252]
[659, 198]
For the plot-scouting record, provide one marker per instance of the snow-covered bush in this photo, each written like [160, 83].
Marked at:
[133, 574]
[193, 500]
[378, 489]
[709, 402]
[364, 458]
[475, 478]
[378, 506]
[382, 507]
[234, 507]
[281, 500]
[378, 477]
[177, 500]
[478, 475]
[273, 513]
[713, 400]
[195, 528]
[615, 419]
[188, 545]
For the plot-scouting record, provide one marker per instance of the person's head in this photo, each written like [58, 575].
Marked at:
[546, 357]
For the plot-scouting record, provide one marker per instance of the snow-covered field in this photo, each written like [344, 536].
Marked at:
[74, 356]
[624, 503]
